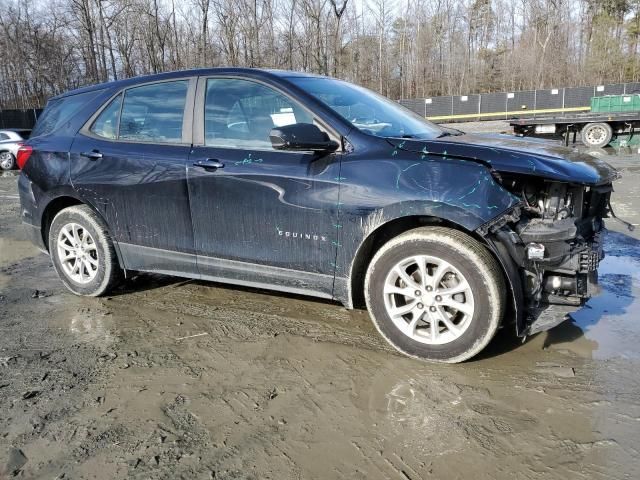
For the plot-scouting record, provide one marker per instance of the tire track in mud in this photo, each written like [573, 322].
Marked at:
[246, 324]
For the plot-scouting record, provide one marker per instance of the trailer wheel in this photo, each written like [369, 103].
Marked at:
[597, 135]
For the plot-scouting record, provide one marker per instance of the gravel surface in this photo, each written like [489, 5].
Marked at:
[172, 379]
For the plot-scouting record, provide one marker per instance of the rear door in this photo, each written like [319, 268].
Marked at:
[130, 163]
[260, 216]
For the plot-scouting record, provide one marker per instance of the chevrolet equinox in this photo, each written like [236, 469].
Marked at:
[308, 184]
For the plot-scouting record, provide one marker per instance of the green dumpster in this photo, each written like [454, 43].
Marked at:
[616, 103]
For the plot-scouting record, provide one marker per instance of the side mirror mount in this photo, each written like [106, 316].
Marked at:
[302, 137]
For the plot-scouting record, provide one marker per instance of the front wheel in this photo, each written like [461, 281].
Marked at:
[435, 294]
[82, 252]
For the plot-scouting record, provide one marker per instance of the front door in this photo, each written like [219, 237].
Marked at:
[260, 216]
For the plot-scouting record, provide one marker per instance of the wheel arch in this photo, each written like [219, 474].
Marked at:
[56, 205]
[386, 231]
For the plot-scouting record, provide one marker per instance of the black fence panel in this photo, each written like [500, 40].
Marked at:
[19, 118]
[438, 106]
[632, 87]
[547, 99]
[493, 103]
[414, 104]
[614, 89]
[519, 102]
[466, 104]
[578, 96]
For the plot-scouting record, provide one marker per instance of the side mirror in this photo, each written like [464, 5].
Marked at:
[301, 137]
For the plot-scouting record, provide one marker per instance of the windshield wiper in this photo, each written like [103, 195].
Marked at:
[449, 132]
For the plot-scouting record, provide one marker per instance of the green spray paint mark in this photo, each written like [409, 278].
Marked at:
[401, 172]
[248, 160]
[475, 187]
[399, 147]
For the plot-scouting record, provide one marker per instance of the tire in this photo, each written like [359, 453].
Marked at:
[455, 256]
[7, 161]
[98, 270]
[597, 135]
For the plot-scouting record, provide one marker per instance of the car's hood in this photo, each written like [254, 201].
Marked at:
[506, 153]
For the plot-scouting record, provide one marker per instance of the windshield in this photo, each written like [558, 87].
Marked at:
[369, 112]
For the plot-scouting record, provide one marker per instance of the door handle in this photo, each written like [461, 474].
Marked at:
[92, 155]
[209, 164]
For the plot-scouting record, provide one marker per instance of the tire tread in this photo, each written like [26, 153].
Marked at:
[113, 273]
[493, 278]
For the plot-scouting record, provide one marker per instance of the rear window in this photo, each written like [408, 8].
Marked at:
[58, 111]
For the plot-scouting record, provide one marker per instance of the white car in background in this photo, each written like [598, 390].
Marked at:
[10, 140]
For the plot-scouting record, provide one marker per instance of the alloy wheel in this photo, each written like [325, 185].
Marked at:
[78, 253]
[428, 299]
[6, 161]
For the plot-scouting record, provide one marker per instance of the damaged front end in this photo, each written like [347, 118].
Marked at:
[550, 245]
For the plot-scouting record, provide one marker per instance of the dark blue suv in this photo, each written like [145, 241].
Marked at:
[312, 185]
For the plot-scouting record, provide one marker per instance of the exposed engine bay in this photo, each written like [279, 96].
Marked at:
[555, 239]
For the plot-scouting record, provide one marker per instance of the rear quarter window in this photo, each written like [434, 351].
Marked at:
[60, 110]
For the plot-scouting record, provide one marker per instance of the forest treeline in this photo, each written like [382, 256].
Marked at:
[400, 48]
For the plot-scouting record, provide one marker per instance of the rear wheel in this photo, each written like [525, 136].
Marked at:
[82, 252]
[597, 135]
[435, 294]
[7, 161]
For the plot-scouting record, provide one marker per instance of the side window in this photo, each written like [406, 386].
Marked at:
[154, 113]
[4, 136]
[240, 113]
[106, 125]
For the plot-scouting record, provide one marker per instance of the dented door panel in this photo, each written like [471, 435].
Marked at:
[265, 208]
[141, 191]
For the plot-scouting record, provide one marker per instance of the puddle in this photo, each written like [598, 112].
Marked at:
[608, 326]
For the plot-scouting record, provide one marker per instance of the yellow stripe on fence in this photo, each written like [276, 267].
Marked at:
[506, 114]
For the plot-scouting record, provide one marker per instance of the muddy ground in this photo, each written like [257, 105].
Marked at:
[172, 379]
